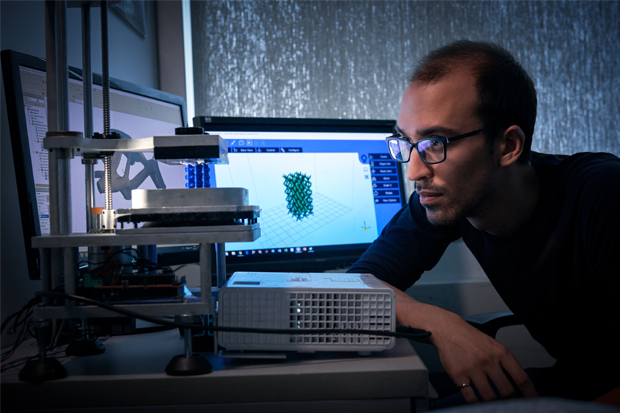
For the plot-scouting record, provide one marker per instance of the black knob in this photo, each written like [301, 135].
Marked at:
[192, 130]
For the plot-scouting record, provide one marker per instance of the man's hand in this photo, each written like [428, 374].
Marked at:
[471, 357]
[468, 355]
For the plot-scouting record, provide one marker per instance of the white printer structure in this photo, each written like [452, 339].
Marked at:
[309, 301]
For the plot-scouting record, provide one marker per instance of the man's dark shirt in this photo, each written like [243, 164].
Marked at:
[560, 272]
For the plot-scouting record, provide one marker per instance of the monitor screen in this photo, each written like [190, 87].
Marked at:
[135, 112]
[326, 188]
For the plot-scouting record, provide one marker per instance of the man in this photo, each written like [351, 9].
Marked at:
[541, 226]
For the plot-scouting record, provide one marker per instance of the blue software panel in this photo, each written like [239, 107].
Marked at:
[313, 190]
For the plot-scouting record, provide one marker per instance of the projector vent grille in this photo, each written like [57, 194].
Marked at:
[305, 310]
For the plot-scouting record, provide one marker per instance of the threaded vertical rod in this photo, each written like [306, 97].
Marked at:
[105, 62]
[105, 70]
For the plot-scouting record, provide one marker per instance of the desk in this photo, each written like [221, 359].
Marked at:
[129, 377]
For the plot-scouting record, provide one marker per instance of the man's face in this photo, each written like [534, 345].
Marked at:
[459, 186]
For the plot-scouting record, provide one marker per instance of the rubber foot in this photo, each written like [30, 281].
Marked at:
[36, 371]
[188, 366]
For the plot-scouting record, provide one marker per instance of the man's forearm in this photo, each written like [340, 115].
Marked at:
[410, 312]
[470, 357]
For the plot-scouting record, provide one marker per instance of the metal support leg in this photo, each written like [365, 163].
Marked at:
[188, 363]
[220, 259]
[148, 252]
[70, 255]
[42, 368]
[188, 343]
[205, 276]
[58, 114]
[46, 272]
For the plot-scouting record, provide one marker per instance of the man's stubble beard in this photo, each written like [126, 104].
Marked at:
[457, 210]
[450, 217]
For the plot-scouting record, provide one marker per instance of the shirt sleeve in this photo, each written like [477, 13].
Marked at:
[407, 246]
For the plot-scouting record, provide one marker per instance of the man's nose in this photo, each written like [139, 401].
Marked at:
[418, 170]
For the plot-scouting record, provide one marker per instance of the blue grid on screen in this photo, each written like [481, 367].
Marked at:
[278, 227]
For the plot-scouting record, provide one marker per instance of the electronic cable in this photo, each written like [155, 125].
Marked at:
[402, 332]
[17, 314]
[20, 339]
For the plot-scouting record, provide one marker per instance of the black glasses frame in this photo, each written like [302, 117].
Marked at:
[399, 137]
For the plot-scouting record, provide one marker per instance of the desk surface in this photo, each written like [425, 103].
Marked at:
[131, 373]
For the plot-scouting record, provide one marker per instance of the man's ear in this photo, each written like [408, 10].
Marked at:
[511, 145]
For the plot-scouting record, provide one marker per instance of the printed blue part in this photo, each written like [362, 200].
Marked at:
[198, 176]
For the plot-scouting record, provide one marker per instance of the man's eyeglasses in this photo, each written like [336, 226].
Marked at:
[431, 150]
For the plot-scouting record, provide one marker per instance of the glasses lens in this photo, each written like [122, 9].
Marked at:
[431, 150]
[399, 150]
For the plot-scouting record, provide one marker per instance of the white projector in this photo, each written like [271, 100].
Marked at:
[309, 301]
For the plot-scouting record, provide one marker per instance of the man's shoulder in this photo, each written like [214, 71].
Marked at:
[586, 178]
[579, 158]
[579, 167]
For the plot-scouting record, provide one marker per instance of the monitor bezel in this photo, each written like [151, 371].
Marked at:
[11, 62]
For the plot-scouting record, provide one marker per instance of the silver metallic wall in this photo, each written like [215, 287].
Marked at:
[351, 59]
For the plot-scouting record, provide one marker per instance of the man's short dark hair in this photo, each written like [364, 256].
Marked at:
[507, 94]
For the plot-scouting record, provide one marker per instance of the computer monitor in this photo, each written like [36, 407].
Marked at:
[326, 189]
[135, 112]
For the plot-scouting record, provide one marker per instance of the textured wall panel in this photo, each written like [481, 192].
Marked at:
[351, 59]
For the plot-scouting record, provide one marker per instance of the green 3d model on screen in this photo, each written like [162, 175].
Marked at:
[298, 195]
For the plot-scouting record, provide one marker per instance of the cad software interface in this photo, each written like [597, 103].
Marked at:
[314, 189]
